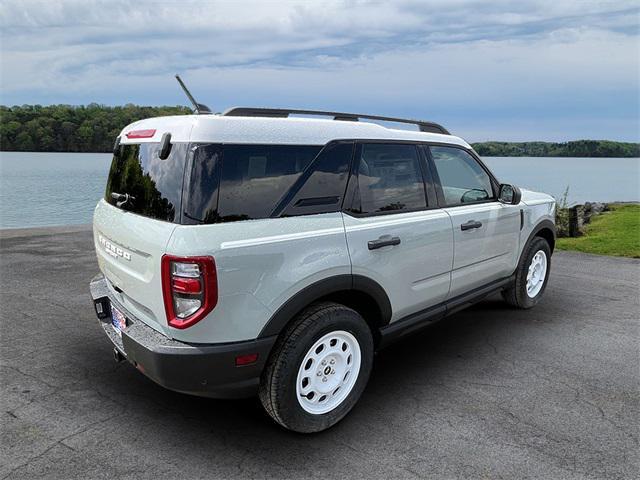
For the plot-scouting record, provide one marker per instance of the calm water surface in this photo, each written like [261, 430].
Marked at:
[40, 189]
[588, 179]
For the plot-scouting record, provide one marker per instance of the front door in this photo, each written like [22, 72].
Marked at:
[393, 235]
[486, 232]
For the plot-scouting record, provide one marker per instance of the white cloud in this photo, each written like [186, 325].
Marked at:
[456, 59]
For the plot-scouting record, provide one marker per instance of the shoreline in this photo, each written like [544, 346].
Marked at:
[10, 232]
[42, 230]
[481, 155]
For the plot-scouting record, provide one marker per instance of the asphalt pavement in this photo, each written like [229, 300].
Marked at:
[491, 392]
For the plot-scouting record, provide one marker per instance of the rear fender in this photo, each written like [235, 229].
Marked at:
[326, 288]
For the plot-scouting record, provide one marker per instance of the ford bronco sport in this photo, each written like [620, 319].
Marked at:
[260, 252]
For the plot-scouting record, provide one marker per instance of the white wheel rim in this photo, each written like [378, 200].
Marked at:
[536, 274]
[328, 372]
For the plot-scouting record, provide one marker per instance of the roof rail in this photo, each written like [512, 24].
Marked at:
[350, 117]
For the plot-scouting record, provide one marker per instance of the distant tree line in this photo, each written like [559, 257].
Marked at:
[94, 128]
[66, 128]
[578, 148]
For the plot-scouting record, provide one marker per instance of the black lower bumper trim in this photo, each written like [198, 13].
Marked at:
[207, 370]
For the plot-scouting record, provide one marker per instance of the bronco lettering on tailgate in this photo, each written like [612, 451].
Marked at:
[112, 249]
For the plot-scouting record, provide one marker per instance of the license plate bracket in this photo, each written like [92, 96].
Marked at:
[118, 320]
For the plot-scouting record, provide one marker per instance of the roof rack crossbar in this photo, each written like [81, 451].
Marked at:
[424, 126]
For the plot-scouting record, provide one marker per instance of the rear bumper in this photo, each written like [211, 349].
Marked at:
[207, 370]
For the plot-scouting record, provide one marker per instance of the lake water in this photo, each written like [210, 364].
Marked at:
[41, 189]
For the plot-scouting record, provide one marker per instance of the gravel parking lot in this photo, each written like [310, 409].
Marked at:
[489, 393]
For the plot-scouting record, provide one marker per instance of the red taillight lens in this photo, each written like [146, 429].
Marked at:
[186, 285]
[190, 289]
[141, 134]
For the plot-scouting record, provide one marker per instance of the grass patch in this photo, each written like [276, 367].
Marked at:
[616, 232]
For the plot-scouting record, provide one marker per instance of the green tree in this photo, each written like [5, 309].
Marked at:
[94, 128]
[578, 148]
[66, 128]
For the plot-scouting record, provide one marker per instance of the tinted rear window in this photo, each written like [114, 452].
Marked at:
[154, 186]
[321, 187]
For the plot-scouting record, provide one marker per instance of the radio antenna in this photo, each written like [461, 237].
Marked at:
[199, 108]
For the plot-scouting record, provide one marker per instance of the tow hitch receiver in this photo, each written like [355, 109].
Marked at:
[101, 306]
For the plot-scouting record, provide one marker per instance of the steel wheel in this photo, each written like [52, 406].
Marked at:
[536, 274]
[328, 372]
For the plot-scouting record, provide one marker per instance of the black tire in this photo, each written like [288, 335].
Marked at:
[516, 295]
[278, 393]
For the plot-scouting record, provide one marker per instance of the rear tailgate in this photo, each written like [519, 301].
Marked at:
[129, 249]
[134, 222]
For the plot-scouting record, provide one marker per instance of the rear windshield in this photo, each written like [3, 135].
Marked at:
[141, 183]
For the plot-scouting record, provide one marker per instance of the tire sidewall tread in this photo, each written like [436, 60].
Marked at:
[517, 295]
[278, 383]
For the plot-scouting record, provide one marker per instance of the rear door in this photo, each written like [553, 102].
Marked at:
[134, 222]
[486, 232]
[394, 235]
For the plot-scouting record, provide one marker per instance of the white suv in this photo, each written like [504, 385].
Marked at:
[256, 252]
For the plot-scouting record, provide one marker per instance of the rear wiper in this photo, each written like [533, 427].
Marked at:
[122, 198]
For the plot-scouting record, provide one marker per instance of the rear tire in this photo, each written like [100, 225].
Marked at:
[532, 275]
[318, 369]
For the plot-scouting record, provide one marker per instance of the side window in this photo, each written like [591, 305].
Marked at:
[389, 179]
[254, 178]
[321, 187]
[201, 181]
[462, 178]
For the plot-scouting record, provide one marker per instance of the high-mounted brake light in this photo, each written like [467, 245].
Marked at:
[141, 133]
[189, 288]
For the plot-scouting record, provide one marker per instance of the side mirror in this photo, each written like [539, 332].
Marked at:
[509, 194]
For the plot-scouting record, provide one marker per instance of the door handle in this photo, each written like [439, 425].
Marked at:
[383, 241]
[470, 224]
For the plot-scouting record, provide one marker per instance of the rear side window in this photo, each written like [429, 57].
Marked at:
[242, 182]
[254, 178]
[462, 178]
[321, 187]
[389, 179]
[141, 183]
[202, 179]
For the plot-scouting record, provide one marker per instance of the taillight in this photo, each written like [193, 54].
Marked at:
[141, 134]
[189, 287]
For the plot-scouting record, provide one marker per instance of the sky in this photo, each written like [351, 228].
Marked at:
[553, 70]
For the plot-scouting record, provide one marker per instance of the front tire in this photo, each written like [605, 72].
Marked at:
[318, 369]
[532, 275]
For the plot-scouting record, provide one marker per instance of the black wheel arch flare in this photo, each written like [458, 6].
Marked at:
[338, 284]
[545, 229]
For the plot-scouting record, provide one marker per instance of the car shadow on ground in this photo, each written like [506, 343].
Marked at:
[396, 368]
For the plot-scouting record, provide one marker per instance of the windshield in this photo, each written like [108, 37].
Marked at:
[141, 183]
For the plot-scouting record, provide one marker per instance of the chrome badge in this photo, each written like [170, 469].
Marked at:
[113, 250]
